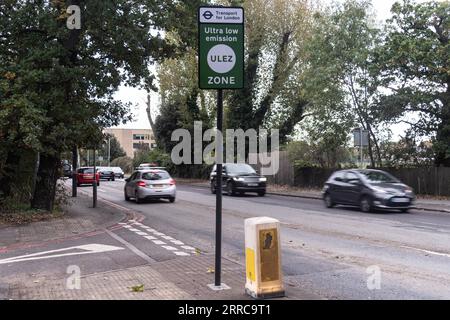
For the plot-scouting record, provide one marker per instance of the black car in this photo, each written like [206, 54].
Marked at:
[239, 178]
[67, 170]
[107, 175]
[367, 189]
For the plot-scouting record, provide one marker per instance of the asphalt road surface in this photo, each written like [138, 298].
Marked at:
[338, 253]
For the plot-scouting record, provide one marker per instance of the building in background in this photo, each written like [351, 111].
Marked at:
[133, 140]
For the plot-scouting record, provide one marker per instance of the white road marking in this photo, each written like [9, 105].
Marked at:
[150, 238]
[130, 246]
[87, 249]
[134, 230]
[170, 248]
[158, 234]
[159, 242]
[142, 233]
[167, 237]
[188, 248]
[179, 253]
[177, 242]
[429, 252]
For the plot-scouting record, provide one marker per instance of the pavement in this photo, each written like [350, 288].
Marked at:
[425, 204]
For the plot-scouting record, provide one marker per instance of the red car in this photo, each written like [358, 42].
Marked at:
[86, 176]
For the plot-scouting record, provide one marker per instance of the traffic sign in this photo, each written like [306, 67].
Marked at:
[221, 47]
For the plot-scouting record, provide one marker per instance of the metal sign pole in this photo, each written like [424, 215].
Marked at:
[220, 67]
[219, 168]
[94, 185]
[361, 146]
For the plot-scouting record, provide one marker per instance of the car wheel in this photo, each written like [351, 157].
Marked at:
[172, 200]
[404, 210]
[328, 201]
[127, 198]
[136, 198]
[213, 188]
[261, 193]
[230, 190]
[365, 204]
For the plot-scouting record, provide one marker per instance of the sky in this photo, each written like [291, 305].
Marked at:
[138, 97]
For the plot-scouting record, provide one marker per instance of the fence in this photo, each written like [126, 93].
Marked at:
[424, 180]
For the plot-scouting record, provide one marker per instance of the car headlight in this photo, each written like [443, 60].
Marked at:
[238, 179]
[263, 179]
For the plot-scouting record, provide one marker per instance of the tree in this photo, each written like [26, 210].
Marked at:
[344, 72]
[112, 148]
[415, 65]
[57, 85]
[274, 67]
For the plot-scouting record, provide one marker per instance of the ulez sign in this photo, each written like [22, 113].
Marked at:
[221, 48]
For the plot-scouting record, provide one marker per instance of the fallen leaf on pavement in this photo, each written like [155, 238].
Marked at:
[138, 288]
[210, 270]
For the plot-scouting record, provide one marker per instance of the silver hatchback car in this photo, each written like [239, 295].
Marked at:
[150, 184]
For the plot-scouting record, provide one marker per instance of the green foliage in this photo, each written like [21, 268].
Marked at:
[415, 67]
[112, 147]
[318, 154]
[57, 85]
[125, 163]
[157, 156]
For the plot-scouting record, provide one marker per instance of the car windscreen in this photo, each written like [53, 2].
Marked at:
[237, 168]
[86, 171]
[160, 175]
[378, 177]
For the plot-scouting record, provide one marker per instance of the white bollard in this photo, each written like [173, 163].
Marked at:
[264, 277]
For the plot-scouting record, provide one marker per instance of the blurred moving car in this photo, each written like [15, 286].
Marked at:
[239, 178]
[150, 184]
[86, 176]
[118, 172]
[106, 174]
[367, 189]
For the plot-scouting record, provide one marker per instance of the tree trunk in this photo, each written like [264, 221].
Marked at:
[48, 174]
[10, 171]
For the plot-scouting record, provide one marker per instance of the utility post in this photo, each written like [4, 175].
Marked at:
[220, 67]
[94, 184]
[74, 171]
[109, 151]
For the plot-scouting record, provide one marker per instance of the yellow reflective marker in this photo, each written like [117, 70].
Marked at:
[250, 263]
[263, 258]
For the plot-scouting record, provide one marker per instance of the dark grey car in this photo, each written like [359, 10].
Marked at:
[367, 189]
[239, 178]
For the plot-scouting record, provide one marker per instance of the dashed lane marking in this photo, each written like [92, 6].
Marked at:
[131, 247]
[180, 253]
[170, 248]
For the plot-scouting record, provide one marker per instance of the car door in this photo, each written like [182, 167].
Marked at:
[352, 188]
[225, 176]
[129, 186]
[336, 185]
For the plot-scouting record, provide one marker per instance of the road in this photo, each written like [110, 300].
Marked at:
[332, 253]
